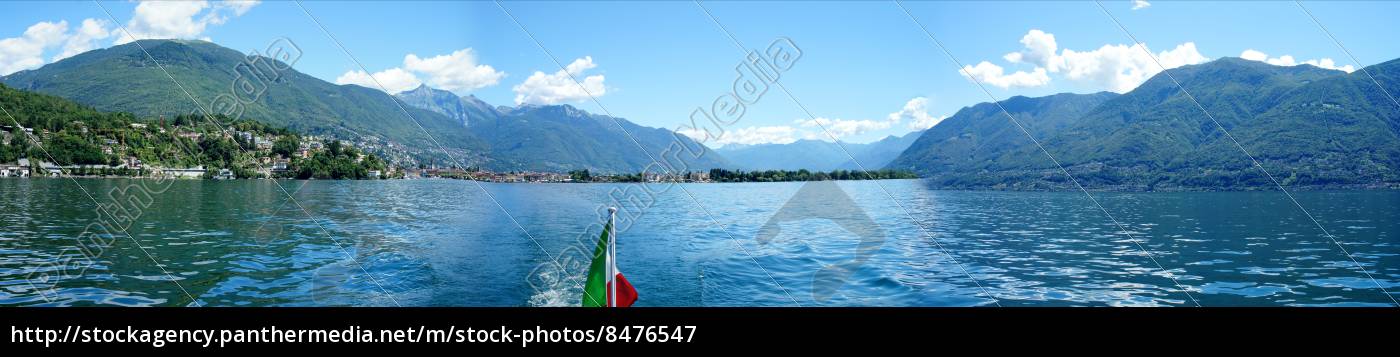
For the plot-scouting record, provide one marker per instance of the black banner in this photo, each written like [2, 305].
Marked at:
[678, 329]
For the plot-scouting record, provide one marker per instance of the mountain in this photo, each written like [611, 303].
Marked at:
[449, 104]
[559, 137]
[50, 114]
[980, 139]
[545, 138]
[1308, 126]
[813, 155]
[123, 79]
[877, 155]
[816, 155]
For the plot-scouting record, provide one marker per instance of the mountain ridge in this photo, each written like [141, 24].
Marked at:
[559, 138]
[122, 78]
[1301, 122]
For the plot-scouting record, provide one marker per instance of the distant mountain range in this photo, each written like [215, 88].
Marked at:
[1307, 125]
[544, 138]
[817, 155]
[559, 137]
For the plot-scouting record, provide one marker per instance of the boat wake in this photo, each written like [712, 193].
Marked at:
[553, 289]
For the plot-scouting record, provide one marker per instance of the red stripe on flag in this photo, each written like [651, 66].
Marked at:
[626, 294]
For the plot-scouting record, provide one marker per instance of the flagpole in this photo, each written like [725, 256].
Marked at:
[612, 257]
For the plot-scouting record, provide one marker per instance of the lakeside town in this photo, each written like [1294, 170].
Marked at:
[185, 147]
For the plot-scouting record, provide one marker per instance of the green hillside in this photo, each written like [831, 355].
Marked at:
[1308, 126]
[123, 79]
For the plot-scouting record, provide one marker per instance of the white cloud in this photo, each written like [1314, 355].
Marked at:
[180, 19]
[992, 74]
[239, 7]
[753, 135]
[1253, 55]
[1288, 61]
[457, 72]
[841, 128]
[27, 51]
[1140, 4]
[916, 110]
[1118, 68]
[1039, 49]
[150, 19]
[84, 38]
[560, 87]
[394, 79]
[925, 123]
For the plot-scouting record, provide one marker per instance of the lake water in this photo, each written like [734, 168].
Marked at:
[446, 243]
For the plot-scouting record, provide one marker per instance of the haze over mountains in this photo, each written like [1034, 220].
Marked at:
[817, 155]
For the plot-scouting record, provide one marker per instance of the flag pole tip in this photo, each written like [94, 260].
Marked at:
[612, 210]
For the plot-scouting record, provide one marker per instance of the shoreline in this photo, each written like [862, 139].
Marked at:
[525, 182]
[1365, 187]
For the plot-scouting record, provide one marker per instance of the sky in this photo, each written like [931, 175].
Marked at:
[866, 71]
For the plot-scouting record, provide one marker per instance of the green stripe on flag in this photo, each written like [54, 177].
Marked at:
[595, 290]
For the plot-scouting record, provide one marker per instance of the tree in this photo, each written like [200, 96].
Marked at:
[286, 145]
[580, 176]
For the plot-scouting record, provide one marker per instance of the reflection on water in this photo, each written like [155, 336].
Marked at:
[443, 243]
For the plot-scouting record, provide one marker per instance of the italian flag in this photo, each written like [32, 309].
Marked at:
[606, 287]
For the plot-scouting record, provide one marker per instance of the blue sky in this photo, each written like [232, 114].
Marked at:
[865, 68]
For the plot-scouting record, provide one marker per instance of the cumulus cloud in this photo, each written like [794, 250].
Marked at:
[238, 7]
[180, 19]
[916, 111]
[394, 79]
[150, 19]
[992, 74]
[27, 51]
[560, 87]
[1039, 49]
[84, 38]
[457, 72]
[841, 128]
[1118, 68]
[753, 135]
[1140, 4]
[1288, 61]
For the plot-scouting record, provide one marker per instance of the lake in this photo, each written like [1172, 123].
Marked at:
[447, 243]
